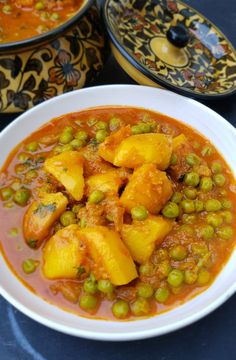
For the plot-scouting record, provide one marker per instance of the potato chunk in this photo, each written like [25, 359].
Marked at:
[109, 252]
[141, 237]
[141, 149]
[63, 254]
[109, 183]
[67, 168]
[107, 149]
[41, 215]
[149, 187]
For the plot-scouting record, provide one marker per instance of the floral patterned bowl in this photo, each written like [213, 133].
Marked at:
[66, 58]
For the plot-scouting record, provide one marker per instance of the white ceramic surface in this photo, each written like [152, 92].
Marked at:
[206, 121]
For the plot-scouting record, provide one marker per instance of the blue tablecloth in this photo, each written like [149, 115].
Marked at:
[212, 338]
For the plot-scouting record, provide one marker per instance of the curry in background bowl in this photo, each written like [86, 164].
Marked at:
[115, 212]
[47, 47]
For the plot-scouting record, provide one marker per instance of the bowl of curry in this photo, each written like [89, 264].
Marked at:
[47, 47]
[117, 212]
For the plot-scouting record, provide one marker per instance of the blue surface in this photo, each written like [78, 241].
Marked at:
[212, 338]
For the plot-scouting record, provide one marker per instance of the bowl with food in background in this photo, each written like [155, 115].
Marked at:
[47, 48]
[117, 212]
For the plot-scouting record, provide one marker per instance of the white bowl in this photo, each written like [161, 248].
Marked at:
[206, 121]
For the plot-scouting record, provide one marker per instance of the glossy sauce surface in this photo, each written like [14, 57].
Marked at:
[23, 19]
[198, 252]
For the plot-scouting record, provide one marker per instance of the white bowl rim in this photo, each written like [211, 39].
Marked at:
[109, 336]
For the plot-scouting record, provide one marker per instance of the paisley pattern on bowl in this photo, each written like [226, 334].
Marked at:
[138, 28]
[71, 61]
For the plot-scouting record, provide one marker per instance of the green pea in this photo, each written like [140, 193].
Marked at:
[114, 123]
[161, 254]
[76, 208]
[207, 232]
[186, 229]
[216, 167]
[199, 205]
[190, 193]
[146, 269]
[120, 309]
[58, 149]
[212, 205]
[68, 218]
[23, 157]
[162, 294]
[175, 278]
[90, 286]
[140, 307]
[214, 220]
[68, 129]
[226, 204]
[83, 222]
[6, 193]
[77, 144]
[82, 136]
[227, 216]
[176, 197]
[7, 9]
[144, 290]
[178, 253]
[188, 206]
[141, 128]
[191, 179]
[173, 159]
[105, 286]
[96, 197]
[139, 213]
[190, 277]
[203, 277]
[66, 137]
[101, 135]
[225, 232]
[199, 249]
[32, 147]
[192, 159]
[31, 174]
[206, 184]
[55, 16]
[101, 125]
[88, 302]
[44, 15]
[22, 196]
[219, 179]
[207, 151]
[189, 218]
[164, 268]
[42, 28]
[39, 6]
[171, 210]
[29, 266]
[67, 147]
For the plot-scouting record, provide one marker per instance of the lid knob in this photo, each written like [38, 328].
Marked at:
[178, 36]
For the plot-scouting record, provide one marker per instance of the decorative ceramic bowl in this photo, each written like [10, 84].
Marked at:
[168, 43]
[206, 121]
[61, 60]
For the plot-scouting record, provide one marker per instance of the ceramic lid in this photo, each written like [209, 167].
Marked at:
[168, 43]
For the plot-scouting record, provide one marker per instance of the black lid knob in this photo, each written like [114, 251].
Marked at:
[178, 35]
